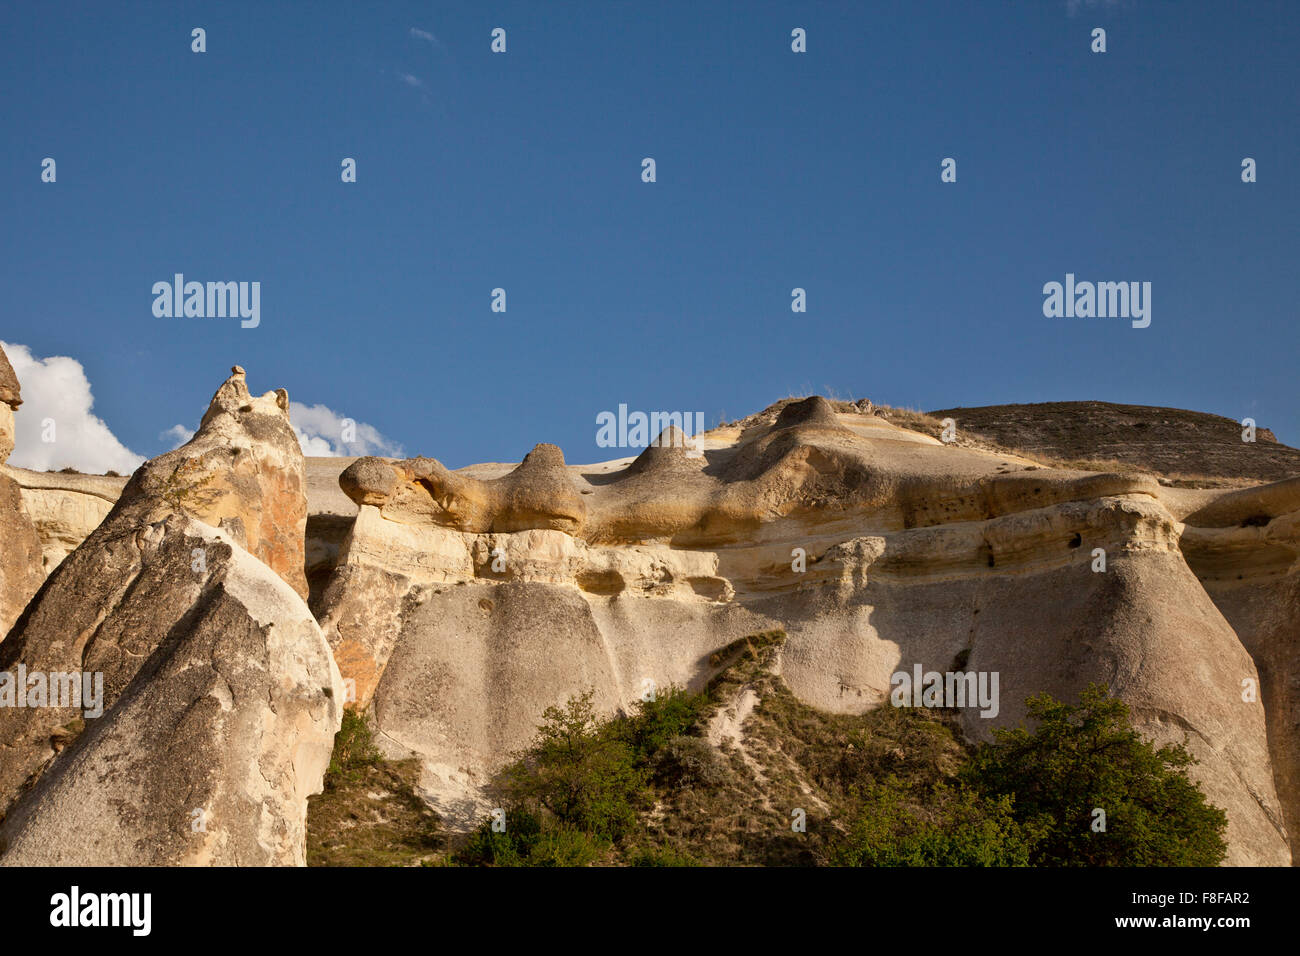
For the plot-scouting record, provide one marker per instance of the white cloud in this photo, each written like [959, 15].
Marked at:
[425, 35]
[320, 432]
[178, 435]
[414, 81]
[55, 390]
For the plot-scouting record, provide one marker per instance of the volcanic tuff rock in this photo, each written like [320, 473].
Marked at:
[64, 508]
[243, 469]
[20, 546]
[10, 399]
[146, 598]
[464, 603]
[218, 732]
[1245, 549]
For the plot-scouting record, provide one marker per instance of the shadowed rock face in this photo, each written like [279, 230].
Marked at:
[461, 606]
[225, 702]
[1245, 549]
[20, 546]
[20, 555]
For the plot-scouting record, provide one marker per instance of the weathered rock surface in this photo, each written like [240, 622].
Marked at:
[1245, 549]
[20, 554]
[64, 508]
[104, 609]
[464, 603]
[224, 705]
[10, 397]
[460, 604]
[20, 547]
[1173, 441]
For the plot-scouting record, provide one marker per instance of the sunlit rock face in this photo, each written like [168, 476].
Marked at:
[460, 604]
[214, 687]
[226, 721]
[20, 545]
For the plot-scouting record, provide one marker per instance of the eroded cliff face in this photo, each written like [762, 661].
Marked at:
[1245, 549]
[178, 668]
[20, 546]
[219, 720]
[462, 604]
[458, 605]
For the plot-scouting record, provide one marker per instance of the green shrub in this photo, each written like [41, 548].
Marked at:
[1085, 758]
[354, 750]
[671, 714]
[683, 762]
[952, 828]
[529, 840]
[581, 772]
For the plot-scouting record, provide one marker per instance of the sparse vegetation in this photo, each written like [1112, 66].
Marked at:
[183, 490]
[890, 787]
[354, 752]
[369, 813]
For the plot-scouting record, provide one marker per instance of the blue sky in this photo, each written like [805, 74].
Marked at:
[775, 170]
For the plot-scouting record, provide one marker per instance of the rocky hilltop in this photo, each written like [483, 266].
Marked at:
[1178, 444]
[455, 606]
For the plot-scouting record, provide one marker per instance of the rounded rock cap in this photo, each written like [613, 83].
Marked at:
[10, 393]
[368, 481]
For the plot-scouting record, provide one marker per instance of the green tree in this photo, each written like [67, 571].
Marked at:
[672, 713]
[581, 771]
[528, 841]
[950, 828]
[1087, 757]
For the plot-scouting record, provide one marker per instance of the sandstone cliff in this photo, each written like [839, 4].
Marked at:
[458, 605]
[214, 690]
[464, 603]
[210, 750]
[20, 546]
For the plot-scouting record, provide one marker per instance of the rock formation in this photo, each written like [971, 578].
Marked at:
[243, 469]
[220, 733]
[464, 603]
[65, 508]
[20, 546]
[10, 398]
[1245, 549]
[1172, 441]
[458, 605]
[219, 693]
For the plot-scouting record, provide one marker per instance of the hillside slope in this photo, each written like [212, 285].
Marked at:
[1170, 441]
